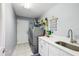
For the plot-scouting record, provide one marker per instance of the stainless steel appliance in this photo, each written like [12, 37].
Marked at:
[34, 33]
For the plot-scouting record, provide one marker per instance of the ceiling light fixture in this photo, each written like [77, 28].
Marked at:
[27, 5]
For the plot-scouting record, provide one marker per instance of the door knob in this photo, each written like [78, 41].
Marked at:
[3, 51]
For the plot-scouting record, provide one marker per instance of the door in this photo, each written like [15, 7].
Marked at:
[22, 31]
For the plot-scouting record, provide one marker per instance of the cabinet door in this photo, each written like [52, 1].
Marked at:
[54, 51]
[43, 48]
[39, 46]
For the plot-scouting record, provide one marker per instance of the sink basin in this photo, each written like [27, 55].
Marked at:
[72, 47]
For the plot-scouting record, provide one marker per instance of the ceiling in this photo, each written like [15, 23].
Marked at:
[36, 10]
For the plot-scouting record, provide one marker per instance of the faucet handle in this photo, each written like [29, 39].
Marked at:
[74, 41]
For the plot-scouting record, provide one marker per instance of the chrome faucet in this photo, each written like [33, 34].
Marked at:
[70, 35]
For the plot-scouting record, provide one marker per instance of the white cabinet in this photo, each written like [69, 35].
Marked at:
[47, 49]
[43, 48]
[54, 51]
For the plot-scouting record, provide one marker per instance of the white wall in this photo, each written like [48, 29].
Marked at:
[2, 40]
[10, 28]
[68, 17]
[0, 26]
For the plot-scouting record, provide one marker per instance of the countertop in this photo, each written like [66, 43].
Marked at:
[54, 38]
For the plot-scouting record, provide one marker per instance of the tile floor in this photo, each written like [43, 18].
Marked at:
[22, 50]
